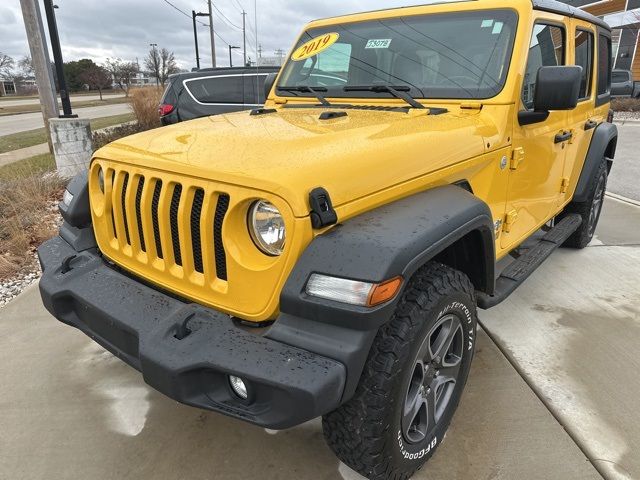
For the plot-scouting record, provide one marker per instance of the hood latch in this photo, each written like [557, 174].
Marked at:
[322, 212]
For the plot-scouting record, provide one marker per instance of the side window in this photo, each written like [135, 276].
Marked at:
[604, 65]
[217, 89]
[547, 49]
[584, 58]
[254, 89]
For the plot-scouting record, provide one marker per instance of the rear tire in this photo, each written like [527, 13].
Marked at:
[412, 381]
[589, 210]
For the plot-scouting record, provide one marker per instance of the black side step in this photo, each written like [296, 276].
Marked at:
[518, 271]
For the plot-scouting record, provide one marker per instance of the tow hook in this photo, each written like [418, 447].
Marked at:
[66, 264]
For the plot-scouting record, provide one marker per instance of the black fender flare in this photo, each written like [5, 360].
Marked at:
[603, 136]
[392, 240]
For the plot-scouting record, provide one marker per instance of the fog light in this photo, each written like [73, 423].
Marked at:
[67, 198]
[238, 387]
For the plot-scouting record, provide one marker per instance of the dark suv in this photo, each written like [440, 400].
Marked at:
[213, 91]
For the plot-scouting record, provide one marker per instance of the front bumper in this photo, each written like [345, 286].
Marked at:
[184, 350]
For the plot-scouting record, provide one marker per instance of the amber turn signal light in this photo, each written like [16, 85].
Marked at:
[384, 292]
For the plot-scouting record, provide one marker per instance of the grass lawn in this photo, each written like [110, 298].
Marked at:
[29, 138]
[28, 167]
[33, 108]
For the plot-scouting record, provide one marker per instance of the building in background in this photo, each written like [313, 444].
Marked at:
[624, 18]
[7, 87]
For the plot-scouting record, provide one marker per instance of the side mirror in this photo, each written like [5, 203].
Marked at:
[557, 88]
[268, 84]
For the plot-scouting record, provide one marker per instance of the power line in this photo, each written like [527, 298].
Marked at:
[183, 12]
[229, 22]
[201, 23]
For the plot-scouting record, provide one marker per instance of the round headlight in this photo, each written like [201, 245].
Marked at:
[266, 227]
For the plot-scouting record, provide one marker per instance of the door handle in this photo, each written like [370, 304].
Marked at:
[563, 137]
[590, 125]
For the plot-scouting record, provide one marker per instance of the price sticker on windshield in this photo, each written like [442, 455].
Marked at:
[379, 43]
[314, 46]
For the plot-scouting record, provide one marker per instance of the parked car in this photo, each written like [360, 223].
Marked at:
[622, 84]
[212, 92]
[325, 255]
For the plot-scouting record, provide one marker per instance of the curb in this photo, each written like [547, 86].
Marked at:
[626, 122]
[621, 198]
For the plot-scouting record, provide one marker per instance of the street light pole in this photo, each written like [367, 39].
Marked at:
[231, 47]
[195, 37]
[57, 57]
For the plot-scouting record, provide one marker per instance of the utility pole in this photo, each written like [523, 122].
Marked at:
[280, 54]
[213, 37]
[156, 62]
[41, 63]
[57, 58]
[244, 36]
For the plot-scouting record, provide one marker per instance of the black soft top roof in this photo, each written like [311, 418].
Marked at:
[569, 11]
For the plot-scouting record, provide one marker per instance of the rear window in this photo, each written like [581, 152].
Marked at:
[619, 77]
[222, 89]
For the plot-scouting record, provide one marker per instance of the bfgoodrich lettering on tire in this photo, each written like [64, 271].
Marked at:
[412, 381]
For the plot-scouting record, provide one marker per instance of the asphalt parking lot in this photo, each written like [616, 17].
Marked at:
[553, 396]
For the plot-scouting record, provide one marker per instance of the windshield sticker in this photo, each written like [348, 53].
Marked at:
[315, 46]
[487, 24]
[497, 28]
[379, 43]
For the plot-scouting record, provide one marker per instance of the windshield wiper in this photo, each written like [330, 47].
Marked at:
[305, 89]
[398, 91]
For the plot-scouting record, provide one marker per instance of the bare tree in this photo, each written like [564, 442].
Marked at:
[161, 63]
[97, 77]
[25, 65]
[122, 73]
[6, 65]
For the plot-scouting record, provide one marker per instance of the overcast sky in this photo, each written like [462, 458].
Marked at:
[99, 29]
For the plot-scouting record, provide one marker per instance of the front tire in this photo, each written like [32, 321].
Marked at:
[412, 381]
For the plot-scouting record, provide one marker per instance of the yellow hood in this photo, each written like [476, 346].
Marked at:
[292, 151]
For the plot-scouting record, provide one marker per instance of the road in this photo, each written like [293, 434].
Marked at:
[35, 100]
[558, 380]
[29, 121]
[625, 176]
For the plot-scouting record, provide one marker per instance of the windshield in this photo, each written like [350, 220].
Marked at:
[454, 55]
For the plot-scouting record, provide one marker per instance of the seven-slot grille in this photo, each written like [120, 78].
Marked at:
[178, 224]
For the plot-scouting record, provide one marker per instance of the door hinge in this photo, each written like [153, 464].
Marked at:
[564, 186]
[517, 157]
[509, 220]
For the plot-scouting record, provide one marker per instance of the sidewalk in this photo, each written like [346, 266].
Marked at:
[17, 155]
[575, 339]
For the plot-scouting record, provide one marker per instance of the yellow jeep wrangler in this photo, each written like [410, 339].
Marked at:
[325, 255]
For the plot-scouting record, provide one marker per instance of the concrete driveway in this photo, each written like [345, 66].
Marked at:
[30, 121]
[559, 382]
